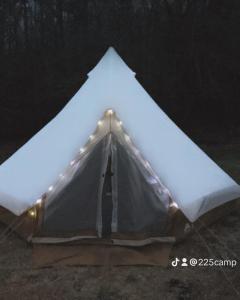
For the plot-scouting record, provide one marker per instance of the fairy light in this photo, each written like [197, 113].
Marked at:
[61, 176]
[119, 123]
[39, 201]
[127, 138]
[72, 162]
[147, 164]
[110, 112]
[152, 180]
[136, 151]
[100, 123]
[81, 150]
[50, 188]
[32, 213]
[91, 137]
[173, 204]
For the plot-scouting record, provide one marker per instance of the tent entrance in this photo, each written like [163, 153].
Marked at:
[107, 204]
[112, 191]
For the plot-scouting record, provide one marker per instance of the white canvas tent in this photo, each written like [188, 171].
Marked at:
[193, 182]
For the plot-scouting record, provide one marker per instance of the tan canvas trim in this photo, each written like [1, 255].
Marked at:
[117, 242]
[141, 243]
[57, 240]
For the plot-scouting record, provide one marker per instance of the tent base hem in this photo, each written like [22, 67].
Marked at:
[28, 229]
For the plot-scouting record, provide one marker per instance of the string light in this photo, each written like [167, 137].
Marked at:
[127, 138]
[147, 164]
[39, 201]
[32, 213]
[173, 204]
[50, 188]
[136, 151]
[153, 180]
[110, 112]
[82, 150]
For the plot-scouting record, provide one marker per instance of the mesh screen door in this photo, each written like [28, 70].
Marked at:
[76, 207]
[137, 206]
[111, 191]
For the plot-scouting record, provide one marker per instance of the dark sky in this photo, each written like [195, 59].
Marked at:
[185, 53]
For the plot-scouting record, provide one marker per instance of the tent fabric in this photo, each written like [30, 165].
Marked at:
[195, 182]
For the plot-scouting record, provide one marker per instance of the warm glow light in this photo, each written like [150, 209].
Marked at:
[50, 188]
[39, 201]
[120, 123]
[100, 123]
[91, 137]
[174, 204]
[110, 112]
[32, 213]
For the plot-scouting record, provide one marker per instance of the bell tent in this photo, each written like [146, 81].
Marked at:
[110, 163]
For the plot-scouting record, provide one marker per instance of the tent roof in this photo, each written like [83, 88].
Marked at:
[195, 182]
[111, 64]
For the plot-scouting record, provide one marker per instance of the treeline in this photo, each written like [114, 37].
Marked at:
[185, 52]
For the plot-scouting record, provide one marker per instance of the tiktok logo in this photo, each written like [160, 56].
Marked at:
[175, 262]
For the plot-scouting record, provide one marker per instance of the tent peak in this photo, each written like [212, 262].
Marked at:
[111, 63]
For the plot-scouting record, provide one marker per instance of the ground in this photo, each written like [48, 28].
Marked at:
[19, 280]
